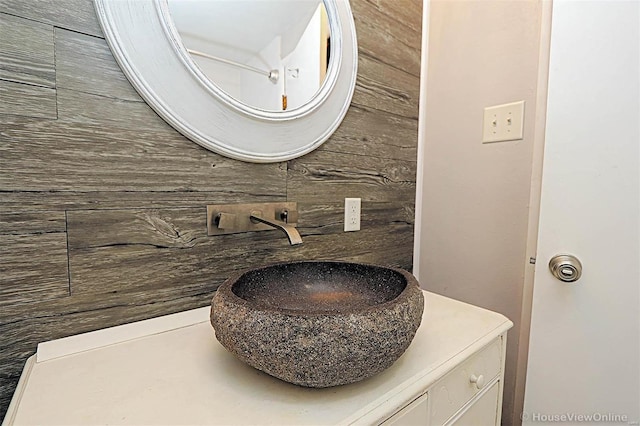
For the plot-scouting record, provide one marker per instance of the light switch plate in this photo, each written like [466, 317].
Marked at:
[503, 122]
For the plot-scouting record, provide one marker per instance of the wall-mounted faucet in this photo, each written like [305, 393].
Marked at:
[292, 233]
[237, 218]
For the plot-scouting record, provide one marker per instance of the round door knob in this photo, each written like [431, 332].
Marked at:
[566, 268]
[477, 380]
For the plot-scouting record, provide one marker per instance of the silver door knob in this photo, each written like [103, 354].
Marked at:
[565, 267]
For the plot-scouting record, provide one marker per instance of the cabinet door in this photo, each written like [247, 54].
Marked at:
[414, 414]
[484, 411]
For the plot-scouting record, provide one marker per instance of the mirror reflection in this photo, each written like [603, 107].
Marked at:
[271, 55]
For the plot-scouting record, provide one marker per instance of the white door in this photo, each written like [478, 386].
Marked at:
[584, 356]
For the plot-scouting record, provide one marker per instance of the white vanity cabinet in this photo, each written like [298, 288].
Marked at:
[470, 394]
[171, 370]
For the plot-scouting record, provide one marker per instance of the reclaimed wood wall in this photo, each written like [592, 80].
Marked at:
[102, 204]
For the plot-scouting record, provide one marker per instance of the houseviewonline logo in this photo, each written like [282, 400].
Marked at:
[578, 418]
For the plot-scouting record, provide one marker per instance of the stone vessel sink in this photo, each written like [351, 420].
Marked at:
[318, 323]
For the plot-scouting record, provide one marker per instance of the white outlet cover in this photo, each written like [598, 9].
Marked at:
[503, 122]
[352, 214]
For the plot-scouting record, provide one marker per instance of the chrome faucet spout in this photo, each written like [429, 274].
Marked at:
[291, 232]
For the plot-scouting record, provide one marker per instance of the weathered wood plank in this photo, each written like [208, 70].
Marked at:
[100, 156]
[80, 313]
[157, 249]
[14, 119]
[165, 248]
[377, 133]
[407, 13]
[184, 228]
[89, 110]
[328, 218]
[10, 201]
[26, 51]
[27, 100]
[381, 37]
[102, 269]
[385, 88]
[324, 176]
[85, 64]
[33, 267]
[32, 222]
[76, 15]
[158, 229]
[377, 245]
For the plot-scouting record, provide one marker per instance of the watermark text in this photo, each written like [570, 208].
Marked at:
[577, 418]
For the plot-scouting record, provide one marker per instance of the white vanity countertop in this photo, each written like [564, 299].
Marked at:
[172, 370]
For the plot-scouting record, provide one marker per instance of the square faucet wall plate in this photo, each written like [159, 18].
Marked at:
[234, 218]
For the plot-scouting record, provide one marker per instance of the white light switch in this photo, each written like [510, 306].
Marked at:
[503, 122]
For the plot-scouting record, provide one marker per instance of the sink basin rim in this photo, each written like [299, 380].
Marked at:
[227, 288]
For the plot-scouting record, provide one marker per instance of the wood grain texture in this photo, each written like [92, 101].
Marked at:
[34, 257]
[33, 267]
[383, 37]
[26, 51]
[75, 15]
[11, 201]
[328, 218]
[26, 222]
[85, 64]
[328, 176]
[91, 312]
[86, 152]
[137, 249]
[386, 89]
[92, 178]
[406, 13]
[379, 134]
[94, 111]
[26, 100]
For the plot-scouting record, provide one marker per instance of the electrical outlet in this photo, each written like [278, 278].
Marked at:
[503, 122]
[351, 214]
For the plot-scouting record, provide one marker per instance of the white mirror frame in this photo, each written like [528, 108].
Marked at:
[147, 47]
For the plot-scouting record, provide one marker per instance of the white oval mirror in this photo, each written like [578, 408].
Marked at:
[261, 88]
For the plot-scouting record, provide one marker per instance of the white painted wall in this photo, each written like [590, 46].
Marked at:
[257, 90]
[474, 202]
[270, 35]
[306, 59]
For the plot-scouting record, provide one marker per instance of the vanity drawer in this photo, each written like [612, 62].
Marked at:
[416, 413]
[455, 389]
[484, 411]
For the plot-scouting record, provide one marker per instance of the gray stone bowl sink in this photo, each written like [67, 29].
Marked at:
[318, 323]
